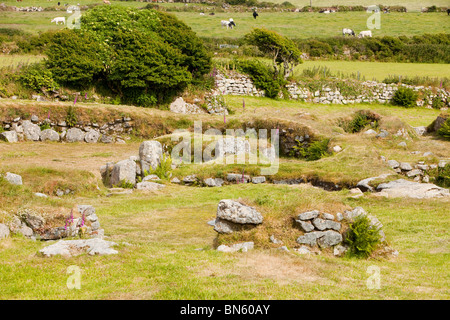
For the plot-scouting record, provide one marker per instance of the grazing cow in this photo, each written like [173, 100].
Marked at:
[350, 32]
[255, 14]
[228, 24]
[202, 14]
[212, 13]
[59, 19]
[106, 2]
[448, 12]
[364, 34]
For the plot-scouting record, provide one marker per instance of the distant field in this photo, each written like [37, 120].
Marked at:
[410, 5]
[380, 70]
[15, 60]
[291, 24]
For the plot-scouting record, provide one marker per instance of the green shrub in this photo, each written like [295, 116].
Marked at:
[437, 103]
[360, 120]
[45, 126]
[262, 76]
[124, 184]
[405, 97]
[444, 130]
[37, 77]
[443, 176]
[362, 238]
[314, 151]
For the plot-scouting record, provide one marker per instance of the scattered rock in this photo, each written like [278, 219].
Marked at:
[308, 215]
[393, 164]
[337, 149]
[305, 225]
[310, 238]
[13, 178]
[257, 180]
[68, 248]
[339, 250]
[150, 155]
[31, 131]
[149, 186]
[302, 250]
[238, 213]
[405, 166]
[74, 135]
[124, 170]
[402, 144]
[50, 135]
[244, 247]
[9, 136]
[210, 182]
[92, 136]
[329, 238]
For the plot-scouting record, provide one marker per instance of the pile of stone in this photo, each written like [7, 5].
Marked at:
[237, 84]
[319, 229]
[134, 170]
[234, 216]
[30, 130]
[33, 225]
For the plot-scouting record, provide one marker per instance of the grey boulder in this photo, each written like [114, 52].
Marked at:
[50, 135]
[238, 213]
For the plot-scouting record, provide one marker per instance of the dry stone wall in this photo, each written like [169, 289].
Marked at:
[237, 84]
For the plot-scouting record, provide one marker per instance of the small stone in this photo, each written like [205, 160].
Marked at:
[305, 225]
[328, 216]
[302, 250]
[4, 231]
[393, 164]
[339, 250]
[257, 180]
[42, 195]
[13, 178]
[402, 144]
[337, 149]
[308, 215]
[405, 166]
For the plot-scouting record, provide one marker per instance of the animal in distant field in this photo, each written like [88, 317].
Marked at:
[106, 2]
[212, 13]
[364, 34]
[202, 14]
[255, 14]
[324, 11]
[228, 24]
[350, 32]
[59, 19]
[448, 12]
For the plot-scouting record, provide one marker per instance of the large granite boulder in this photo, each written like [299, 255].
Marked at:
[75, 135]
[124, 170]
[9, 136]
[150, 155]
[50, 135]
[233, 216]
[31, 131]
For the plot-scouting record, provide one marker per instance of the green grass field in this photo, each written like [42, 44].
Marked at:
[380, 70]
[290, 24]
[159, 234]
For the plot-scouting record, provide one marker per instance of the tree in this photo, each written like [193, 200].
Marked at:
[144, 56]
[283, 51]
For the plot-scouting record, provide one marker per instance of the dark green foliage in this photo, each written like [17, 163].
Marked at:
[444, 130]
[283, 51]
[124, 184]
[437, 103]
[362, 238]
[74, 58]
[262, 76]
[37, 77]
[142, 56]
[314, 151]
[405, 97]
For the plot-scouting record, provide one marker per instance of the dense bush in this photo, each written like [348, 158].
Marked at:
[362, 238]
[405, 97]
[262, 76]
[37, 77]
[443, 174]
[143, 56]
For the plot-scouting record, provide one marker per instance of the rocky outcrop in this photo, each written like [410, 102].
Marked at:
[409, 189]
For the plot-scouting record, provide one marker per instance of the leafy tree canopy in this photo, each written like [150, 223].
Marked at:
[143, 55]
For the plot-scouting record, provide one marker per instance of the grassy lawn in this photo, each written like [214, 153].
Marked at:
[14, 60]
[290, 24]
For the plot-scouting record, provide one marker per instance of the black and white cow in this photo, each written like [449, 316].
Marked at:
[255, 14]
[350, 32]
[228, 24]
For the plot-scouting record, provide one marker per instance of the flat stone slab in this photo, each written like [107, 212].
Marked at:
[69, 248]
[408, 189]
[244, 247]
[238, 213]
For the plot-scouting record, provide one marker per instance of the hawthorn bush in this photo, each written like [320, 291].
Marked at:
[142, 56]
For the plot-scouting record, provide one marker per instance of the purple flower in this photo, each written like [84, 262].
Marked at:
[75, 99]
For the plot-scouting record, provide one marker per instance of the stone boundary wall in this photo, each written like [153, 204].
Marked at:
[20, 129]
[238, 84]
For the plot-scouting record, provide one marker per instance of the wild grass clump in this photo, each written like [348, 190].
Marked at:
[362, 237]
[360, 120]
[444, 130]
[164, 169]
